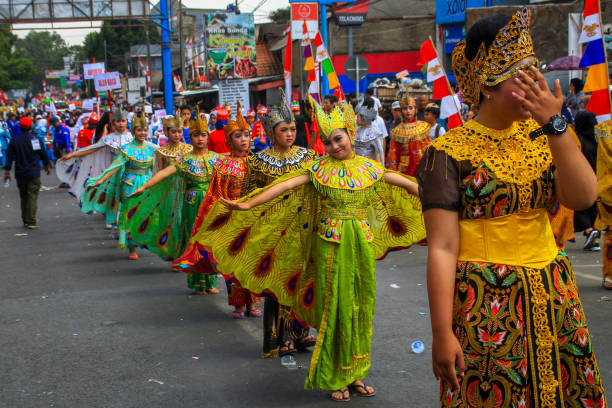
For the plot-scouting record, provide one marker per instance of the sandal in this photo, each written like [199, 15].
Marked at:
[212, 291]
[607, 283]
[364, 387]
[254, 312]
[286, 349]
[238, 314]
[343, 391]
[303, 343]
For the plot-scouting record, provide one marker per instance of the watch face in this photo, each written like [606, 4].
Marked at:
[559, 124]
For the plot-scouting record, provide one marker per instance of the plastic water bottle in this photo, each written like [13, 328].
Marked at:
[7, 183]
[418, 347]
[288, 362]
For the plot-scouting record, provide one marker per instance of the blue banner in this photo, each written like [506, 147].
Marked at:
[452, 35]
[453, 11]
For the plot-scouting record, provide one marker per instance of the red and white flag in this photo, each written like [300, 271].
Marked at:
[449, 105]
[178, 85]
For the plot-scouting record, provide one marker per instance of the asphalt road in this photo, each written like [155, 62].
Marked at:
[81, 326]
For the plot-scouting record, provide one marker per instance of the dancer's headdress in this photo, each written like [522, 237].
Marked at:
[341, 117]
[511, 45]
[233, 125]
[199, 125]
[277, 115]
[407, 100]
[172, 122]
[140, 120]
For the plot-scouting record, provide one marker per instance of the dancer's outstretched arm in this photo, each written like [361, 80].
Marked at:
[403, 182]
[157, 178]
[269, 194]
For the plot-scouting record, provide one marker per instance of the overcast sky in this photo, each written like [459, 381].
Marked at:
[76, 36]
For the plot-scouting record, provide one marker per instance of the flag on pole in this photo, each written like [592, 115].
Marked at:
[287, 69]
[594, 57]
[323, 58]
[178, 85]
[311, 66]
[450, 104]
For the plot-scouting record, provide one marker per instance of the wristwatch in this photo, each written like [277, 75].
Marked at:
[557, 125]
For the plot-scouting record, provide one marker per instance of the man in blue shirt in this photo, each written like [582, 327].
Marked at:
[13, 125]
[26, 151]
[61, 138]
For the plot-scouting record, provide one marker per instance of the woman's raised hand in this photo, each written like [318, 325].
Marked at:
[539, 100]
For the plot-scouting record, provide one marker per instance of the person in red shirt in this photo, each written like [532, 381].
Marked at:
[216, 140]
[85, 135]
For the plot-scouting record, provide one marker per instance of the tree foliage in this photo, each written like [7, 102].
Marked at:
[45, 50]
[281, 15]
[119, 36]
[15, 71]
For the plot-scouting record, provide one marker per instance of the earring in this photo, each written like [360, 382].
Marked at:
[488, 96]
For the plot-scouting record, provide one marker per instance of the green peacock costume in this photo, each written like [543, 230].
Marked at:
[162, 217]
[314, 249]
[132, 168]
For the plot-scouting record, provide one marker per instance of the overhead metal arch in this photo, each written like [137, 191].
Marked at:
[51, 11]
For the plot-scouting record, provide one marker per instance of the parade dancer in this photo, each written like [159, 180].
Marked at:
[408, 140]
[130, 170]
[78, 167]
[508, 326]
[161, 219]
[604, 204]
[226, 182]
[167, 154]
[311, 239]
[282, 334]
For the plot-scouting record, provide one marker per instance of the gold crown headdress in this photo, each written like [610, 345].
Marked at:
[275, 116]
[139, 121]
[341, 117]
[489, 68]
[233, 125]
[171, 122]
[407, 100]
[199, 125]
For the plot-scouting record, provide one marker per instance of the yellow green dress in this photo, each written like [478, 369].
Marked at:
[516, 312]
[314, 249]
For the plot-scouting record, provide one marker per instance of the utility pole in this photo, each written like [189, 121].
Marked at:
[105, 59]
[182, 53]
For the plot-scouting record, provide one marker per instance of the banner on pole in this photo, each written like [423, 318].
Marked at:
[107, 81]
[91, 70]
[304, 12]
[234, 90]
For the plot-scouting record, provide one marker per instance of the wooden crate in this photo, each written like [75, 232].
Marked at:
[386, 92]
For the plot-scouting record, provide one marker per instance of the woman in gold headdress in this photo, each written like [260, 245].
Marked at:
[167, 154]
[281, 334]
[508, 326]
[226, 182]
[409, 140]
[161, 219]
[310, 239]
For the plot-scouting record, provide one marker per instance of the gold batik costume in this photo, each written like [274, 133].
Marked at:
[516, 310]
[167, 154]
